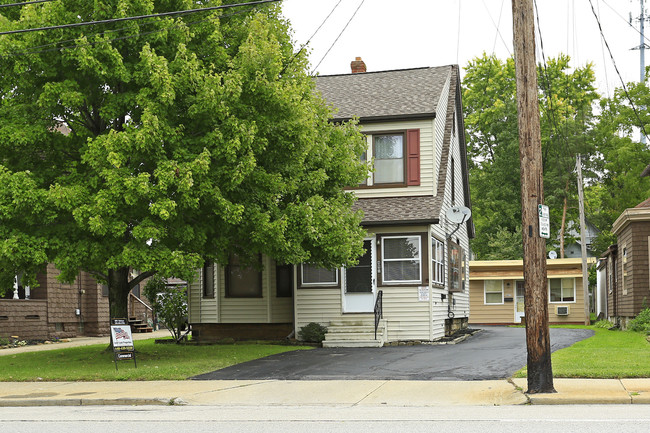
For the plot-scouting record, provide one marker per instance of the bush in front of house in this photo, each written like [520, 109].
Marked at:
[641, 323]
[313, 332]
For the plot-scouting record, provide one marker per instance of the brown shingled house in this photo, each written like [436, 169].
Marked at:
[625, 266]
[415, 265]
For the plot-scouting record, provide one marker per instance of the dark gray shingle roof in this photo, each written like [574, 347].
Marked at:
[399, 93]
[401, 210]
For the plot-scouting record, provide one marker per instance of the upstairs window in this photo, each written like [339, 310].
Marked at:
[389, 158]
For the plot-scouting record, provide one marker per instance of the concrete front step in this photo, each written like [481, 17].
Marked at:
[354, 333]
[353, 343]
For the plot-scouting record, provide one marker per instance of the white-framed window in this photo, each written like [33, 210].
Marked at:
[624, 268]
[438, 261]
[315, 276]
[401, 259]
[562, 289]
[388, 151]
[493, 290]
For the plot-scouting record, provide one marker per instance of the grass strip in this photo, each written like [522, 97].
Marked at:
[154, 362]
[606, 355]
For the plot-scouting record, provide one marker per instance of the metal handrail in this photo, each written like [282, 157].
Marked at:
[140, 301]
[379, 310]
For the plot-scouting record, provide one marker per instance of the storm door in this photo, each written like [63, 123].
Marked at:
[359, 285]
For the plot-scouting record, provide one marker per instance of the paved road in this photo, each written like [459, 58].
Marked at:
[326, 419]
[493, 353]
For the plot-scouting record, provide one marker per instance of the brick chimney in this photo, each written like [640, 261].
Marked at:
[357, 66]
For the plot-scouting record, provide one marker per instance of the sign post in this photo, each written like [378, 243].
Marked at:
[122, 341]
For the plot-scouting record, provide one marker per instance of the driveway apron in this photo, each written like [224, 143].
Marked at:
[494, 353]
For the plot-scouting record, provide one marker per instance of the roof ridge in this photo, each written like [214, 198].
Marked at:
[386, 71]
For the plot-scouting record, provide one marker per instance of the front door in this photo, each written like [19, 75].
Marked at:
[359, 282]
[519, 301]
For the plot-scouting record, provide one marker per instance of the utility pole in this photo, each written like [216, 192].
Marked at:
[642, 47]
[583, 241]
[538, 342]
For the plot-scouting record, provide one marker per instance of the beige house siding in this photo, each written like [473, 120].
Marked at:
[488, 313]
[221, 309]
[317, 305]
[511, 271]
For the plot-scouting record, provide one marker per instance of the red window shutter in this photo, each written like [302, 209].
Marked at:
[413, 157]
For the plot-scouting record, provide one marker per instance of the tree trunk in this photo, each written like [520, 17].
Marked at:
[538, 343]
[118, 292]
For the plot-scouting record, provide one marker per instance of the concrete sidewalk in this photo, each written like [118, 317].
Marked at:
[313, 393]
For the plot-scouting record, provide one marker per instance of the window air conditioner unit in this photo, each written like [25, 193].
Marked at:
[562, 311]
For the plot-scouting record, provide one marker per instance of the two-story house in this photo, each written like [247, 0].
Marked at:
[411, 284]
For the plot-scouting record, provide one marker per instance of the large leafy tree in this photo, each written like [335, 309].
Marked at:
[156, 144]
[489, 99]
[620, 160]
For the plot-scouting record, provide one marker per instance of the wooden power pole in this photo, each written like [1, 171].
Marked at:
[538, 342]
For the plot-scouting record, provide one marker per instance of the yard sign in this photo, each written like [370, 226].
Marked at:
[122, 341]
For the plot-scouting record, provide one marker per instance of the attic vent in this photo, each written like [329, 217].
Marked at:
[562, 311]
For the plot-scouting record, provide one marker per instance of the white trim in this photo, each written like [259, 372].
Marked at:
[435, 263]
[384, 260]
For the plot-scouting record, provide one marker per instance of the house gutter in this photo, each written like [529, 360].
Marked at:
[392, 117]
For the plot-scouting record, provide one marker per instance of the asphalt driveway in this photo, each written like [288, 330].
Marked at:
[493, 353]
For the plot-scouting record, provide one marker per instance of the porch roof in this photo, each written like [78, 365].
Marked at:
[399, 210]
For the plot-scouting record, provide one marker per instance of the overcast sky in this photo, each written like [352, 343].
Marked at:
[397, 34]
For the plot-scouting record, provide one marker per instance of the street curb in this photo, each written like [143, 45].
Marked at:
[94, 402]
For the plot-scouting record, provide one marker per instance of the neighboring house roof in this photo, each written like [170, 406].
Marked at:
[404, 93]
[645, 203]
[403, 210]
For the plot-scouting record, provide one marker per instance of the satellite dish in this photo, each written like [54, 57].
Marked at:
[458, 214]
[552, 255]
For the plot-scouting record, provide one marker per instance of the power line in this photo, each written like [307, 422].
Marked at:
[34, 51]
[139, 17]
[24, 3]
[337, 38]
[627, 95]
[310, 38]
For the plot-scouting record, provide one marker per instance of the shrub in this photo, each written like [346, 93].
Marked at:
[169, 304]
[641, 323]
[313, 332]
[603, 324]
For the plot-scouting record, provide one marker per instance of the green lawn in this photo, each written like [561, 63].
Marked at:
[608, 354]
[155, 362]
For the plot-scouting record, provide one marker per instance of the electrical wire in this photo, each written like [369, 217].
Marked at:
[302, 48]
[337, 38]
[497, 27]
[121, 38]
[139, 17]
[627, 95]
[24, 3]
[602, 50]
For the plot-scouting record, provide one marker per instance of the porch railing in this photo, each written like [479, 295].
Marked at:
[379, 310]
[133, 299]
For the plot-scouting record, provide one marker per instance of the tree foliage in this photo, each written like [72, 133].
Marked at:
[157, 144]
[489, 97]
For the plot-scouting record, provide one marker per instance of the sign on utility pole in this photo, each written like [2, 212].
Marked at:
[538, 342]
[544, 221]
